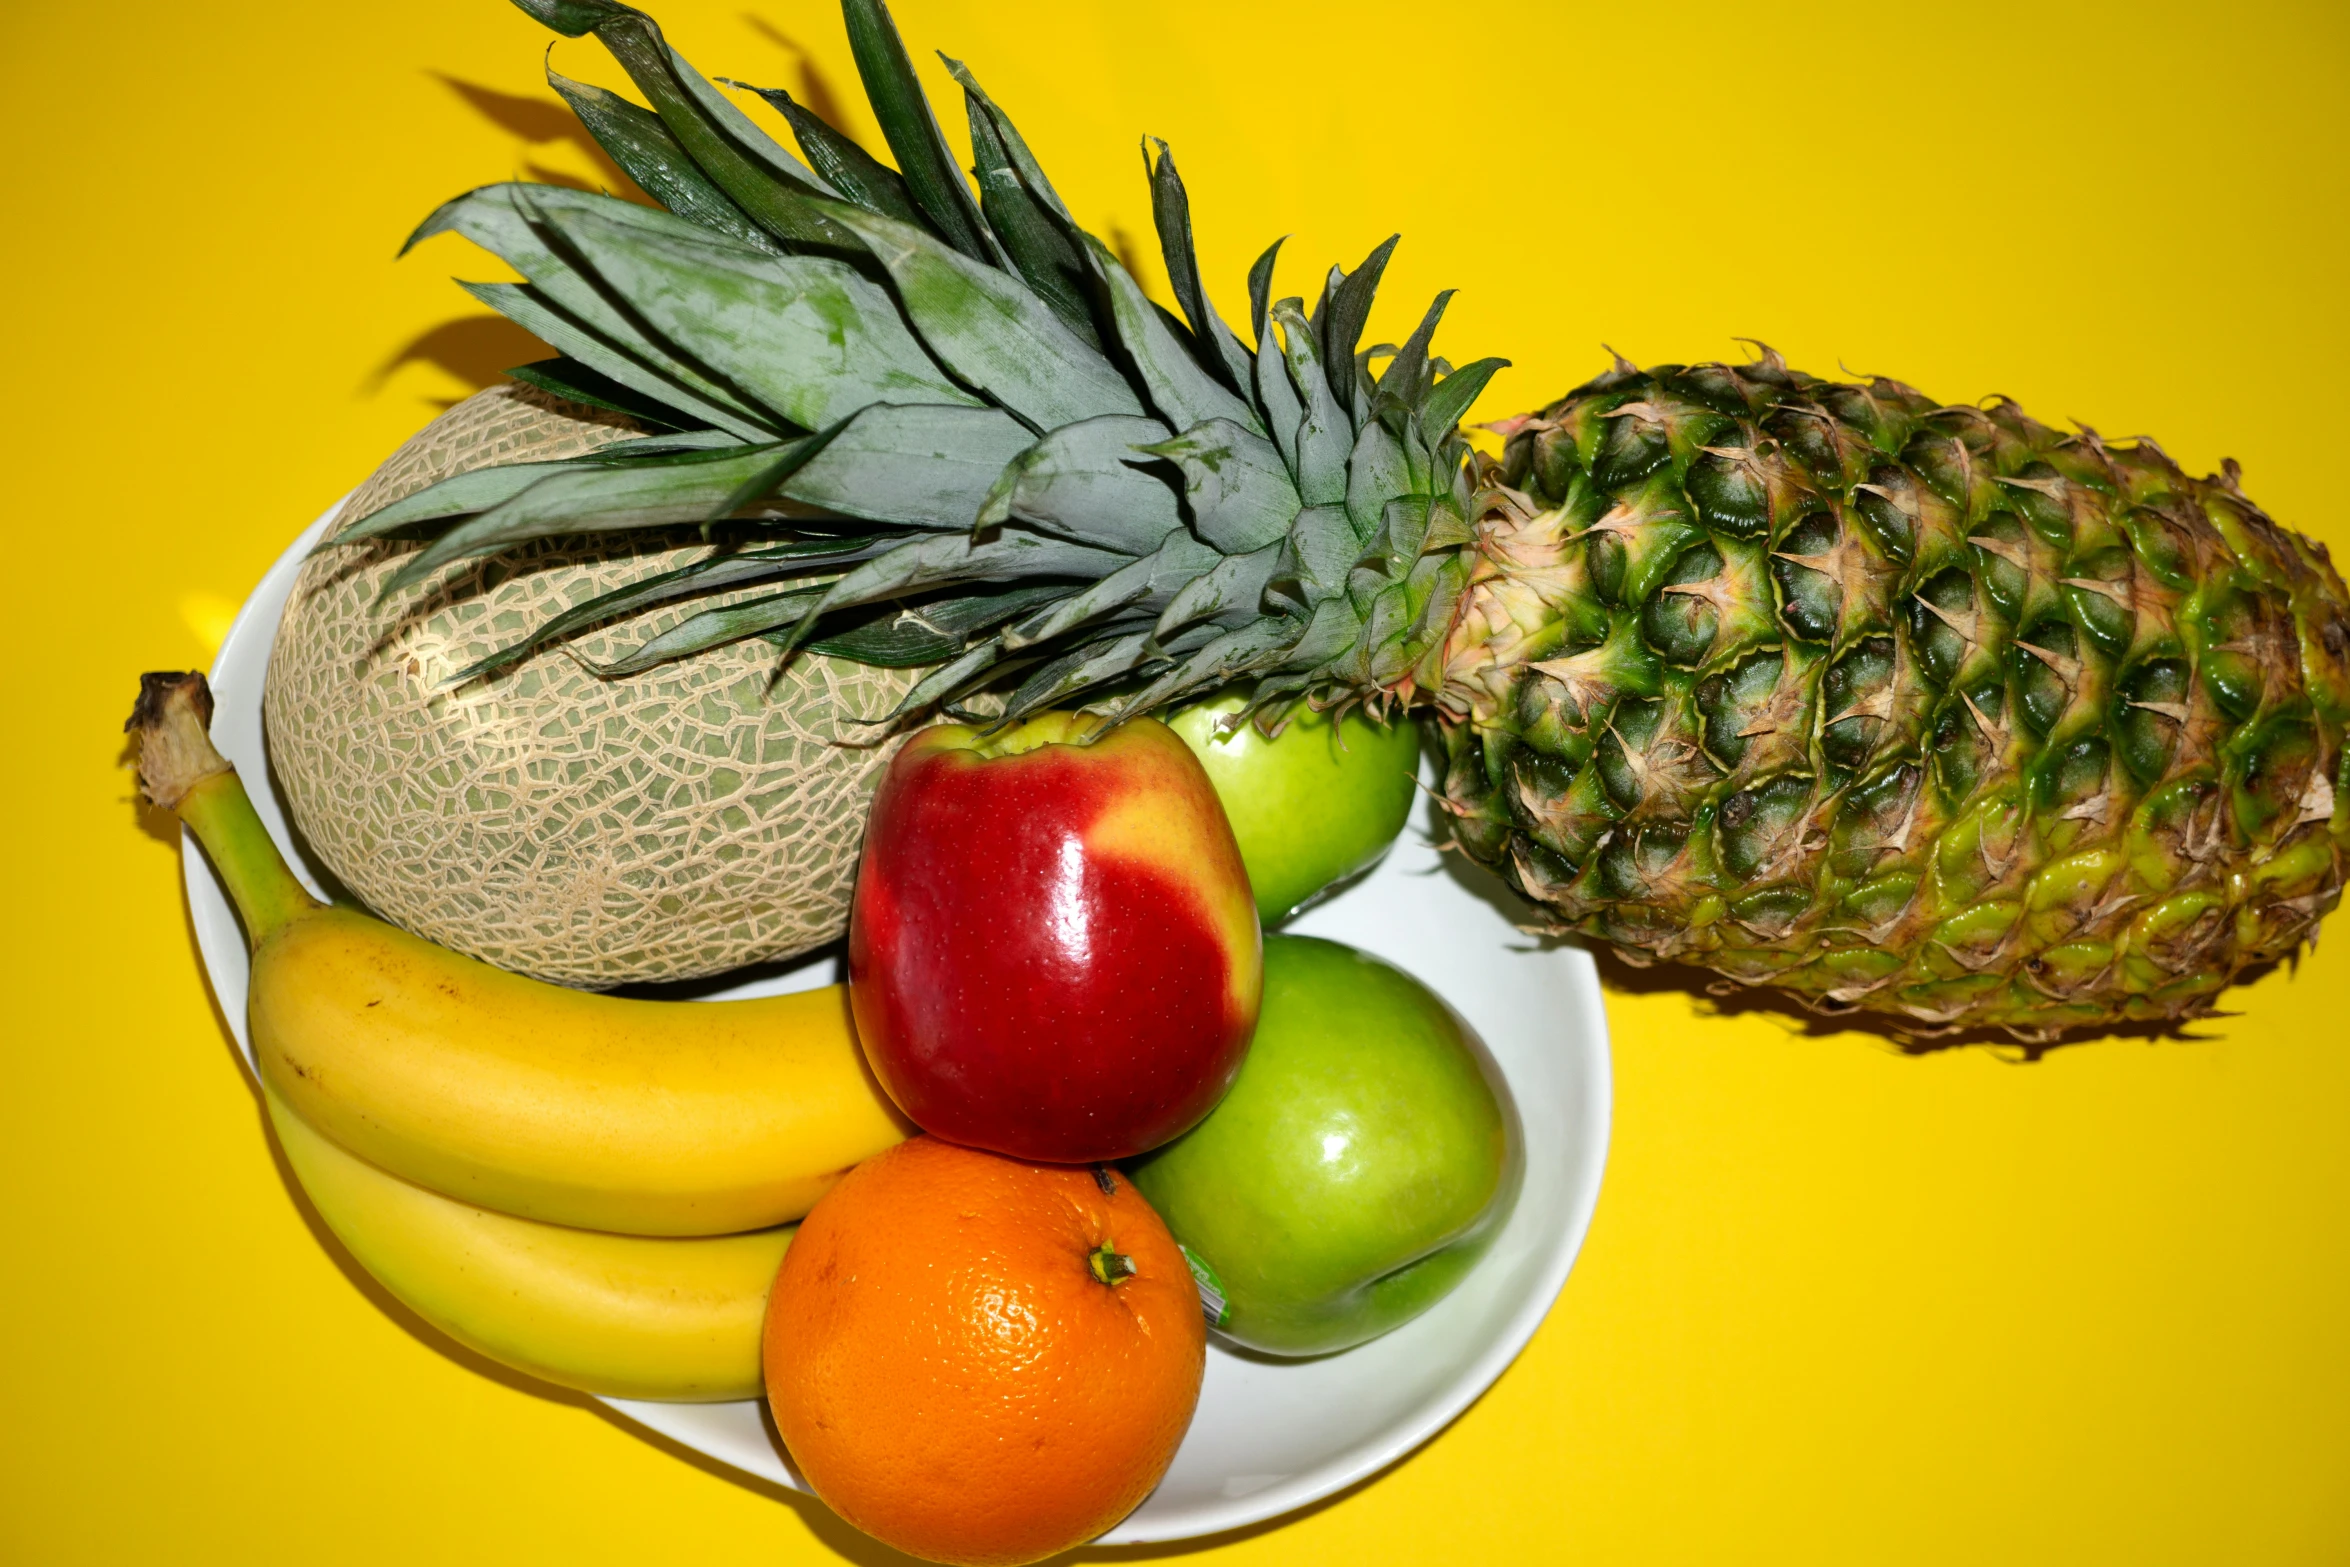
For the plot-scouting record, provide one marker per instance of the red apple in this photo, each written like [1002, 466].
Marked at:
[1053, 951]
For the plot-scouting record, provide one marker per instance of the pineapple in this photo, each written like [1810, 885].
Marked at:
[1921, 710]
[1916, 709]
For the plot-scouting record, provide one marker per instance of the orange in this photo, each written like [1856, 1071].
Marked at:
[980, 1360]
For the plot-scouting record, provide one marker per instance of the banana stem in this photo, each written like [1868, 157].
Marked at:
[263, 886]
[181, 771]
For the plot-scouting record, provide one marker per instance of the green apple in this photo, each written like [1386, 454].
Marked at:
[1312, 807]
[1359, 1166]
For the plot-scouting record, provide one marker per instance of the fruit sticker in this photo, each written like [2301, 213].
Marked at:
[1212, 1304]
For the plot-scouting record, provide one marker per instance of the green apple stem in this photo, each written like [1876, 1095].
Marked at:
[1109, 1264]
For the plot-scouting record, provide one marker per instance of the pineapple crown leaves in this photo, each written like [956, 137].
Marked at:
[933, 422]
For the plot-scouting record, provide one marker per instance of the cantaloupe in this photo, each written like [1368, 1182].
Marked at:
[694, 818]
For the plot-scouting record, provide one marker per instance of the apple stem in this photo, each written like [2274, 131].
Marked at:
[1109, 1265]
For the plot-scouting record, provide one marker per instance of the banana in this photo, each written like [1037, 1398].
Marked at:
[648, 1117]
[631, 1316]
[597, 1112]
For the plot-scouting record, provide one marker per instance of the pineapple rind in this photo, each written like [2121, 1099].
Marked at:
[1907, 708]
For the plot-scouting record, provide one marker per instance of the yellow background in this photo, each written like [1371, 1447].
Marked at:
[1838, 1306]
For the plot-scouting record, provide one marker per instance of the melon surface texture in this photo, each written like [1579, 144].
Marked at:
[667, 825]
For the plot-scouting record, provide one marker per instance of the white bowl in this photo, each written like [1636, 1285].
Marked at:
[1270, 1435]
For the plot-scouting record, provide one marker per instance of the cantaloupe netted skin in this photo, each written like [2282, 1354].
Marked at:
[667, 825]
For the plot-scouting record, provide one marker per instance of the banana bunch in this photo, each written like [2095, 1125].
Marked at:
[590, 1189]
